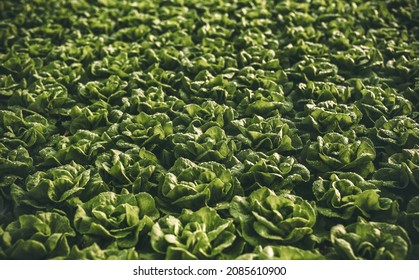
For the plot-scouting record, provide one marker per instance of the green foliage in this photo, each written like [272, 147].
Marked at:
[281, 252]
[267, 218]
[276, 172]
[348, 195]
[401, 170]
[370, 240]
[189, 185]
[43, 235]
[337, 152]
[189, 129]
[202, 234]
[123, 218]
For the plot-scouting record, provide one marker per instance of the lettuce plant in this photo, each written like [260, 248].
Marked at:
[61, 186]
[119, 218]
[401, 170]
[41, 236]
[400, 131]
[8, 85]
[263, 102]
[317, 69]
[206, 85]
[25, 127]
[376, 103]
[346, 195]
[370, 240]
[65, 74]
[188, 186]
[145, 130]
[205, 115]
[14, 161]
[211, 144]
[45, 96]
[268, 135]
[267, 218]
[319, 91]
[200, 234]
[22, 65]
[337, 152]
[276, 172]
[150, 101]
[109, 90]
[136, 169]
[328, 116]
[81, 147]
[90, 117]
